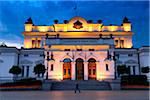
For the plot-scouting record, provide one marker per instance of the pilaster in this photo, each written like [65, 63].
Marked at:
[85, 70]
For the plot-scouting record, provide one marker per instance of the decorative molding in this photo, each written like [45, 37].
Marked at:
[131, 62]
[119, 62]
[39, 62]
[25, 61]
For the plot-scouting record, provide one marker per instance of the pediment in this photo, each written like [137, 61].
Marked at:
[25, 61]
[131, 62]
[39, 62]
[119, 62]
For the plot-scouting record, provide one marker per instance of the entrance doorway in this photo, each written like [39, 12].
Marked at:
[92, 69]
[79, 69]
[67, 69]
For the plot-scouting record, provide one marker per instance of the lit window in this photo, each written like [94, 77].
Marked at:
[122, 43]
[94, 71]
[38, 44]
[33, 44]
[107, 69]
[69, 71]
[64, 71]
[89, 71]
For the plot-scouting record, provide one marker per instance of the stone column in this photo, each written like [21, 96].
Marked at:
[73, 71]
[131, 70]
[98, 70]
[85, 70]
[61, 71]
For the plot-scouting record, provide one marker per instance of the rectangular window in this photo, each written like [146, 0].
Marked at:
[52, 67]
[64, 71]
[130, 55]
[128, 69]
[122, 43]
[91, 49]
[42, 55]
[89, 71]
[133, 70]
[94, 71]
[27, 72]
[107, 69]
[69, 71]
[116, 43]
[67, 50]
[39, 43]
[22, 71]
[33, 44]
[117, 56]
[26, 55]
[79, 49]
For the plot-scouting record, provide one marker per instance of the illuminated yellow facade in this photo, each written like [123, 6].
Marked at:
[78, 49]
[36, 34]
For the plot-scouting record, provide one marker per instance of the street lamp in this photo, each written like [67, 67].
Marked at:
[49, 60]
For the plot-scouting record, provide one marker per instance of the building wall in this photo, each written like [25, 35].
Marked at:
[87, 30]
[128, 57]
[30, 57]
[99, 56]
[144, 55]
[8, 58]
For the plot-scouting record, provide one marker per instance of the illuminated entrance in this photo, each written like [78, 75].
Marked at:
[92, 69]
[67, 69]
[79, 69]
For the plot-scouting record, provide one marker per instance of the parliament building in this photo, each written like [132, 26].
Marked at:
[76, 49]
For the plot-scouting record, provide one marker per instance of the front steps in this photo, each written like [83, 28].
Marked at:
[83, 85]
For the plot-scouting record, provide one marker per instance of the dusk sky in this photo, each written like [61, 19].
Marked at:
[13, 14]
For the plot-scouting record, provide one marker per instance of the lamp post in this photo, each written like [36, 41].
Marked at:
[114, 58]
[47, 58]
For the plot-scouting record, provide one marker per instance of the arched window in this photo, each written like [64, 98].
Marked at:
[67, 60]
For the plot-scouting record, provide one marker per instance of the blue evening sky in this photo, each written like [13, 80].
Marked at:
[13, 14]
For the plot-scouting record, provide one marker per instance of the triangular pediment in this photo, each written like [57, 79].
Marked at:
[39, 62]
[119, 62]
[25, 61]
[131, 62]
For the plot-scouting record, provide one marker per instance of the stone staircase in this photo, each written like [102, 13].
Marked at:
[83, 85]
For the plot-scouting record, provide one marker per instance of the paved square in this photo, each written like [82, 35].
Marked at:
[70, 95]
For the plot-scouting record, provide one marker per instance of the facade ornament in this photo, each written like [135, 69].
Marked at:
[78, 25]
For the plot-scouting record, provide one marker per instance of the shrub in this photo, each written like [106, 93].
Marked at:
[23, 82]
[134, 80]
[15, 70]
[145, 69]
[39, 69]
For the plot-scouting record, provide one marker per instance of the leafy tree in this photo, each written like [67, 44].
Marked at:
[121, 69]
[15, 70]
[145, 69]
[39, 69]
